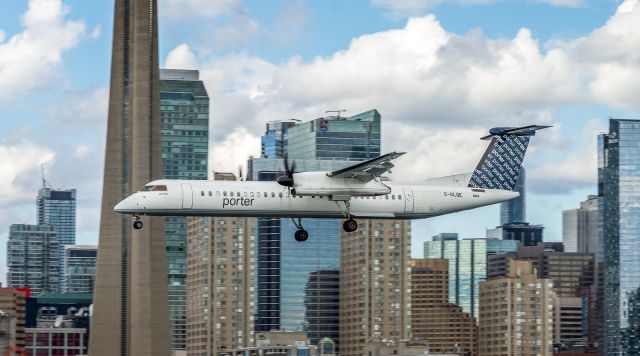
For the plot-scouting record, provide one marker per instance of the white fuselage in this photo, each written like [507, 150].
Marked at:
[269, 199]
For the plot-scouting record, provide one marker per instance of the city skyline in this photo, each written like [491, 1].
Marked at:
[243, 76]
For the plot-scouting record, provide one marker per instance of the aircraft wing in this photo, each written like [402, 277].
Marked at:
[367, 170]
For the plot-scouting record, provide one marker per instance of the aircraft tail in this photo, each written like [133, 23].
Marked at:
[500, 165]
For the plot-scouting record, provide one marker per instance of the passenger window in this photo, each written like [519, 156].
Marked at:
[238, 193]
[280, 194]
[224, 193]
[252, 194]
[210, 194]
[393, 197]
[399, 196]
[244, 194]
[265, 194]
[202, 192]
[273, 195]
[386, 196]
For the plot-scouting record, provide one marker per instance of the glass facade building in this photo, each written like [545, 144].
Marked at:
[287, 270]
[354, 138]
[79, 268]
[514, 210]
[619, 191]
[467, 264]
[58, 208]
[184, 111]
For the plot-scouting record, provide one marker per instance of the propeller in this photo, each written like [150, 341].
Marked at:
[287, 179]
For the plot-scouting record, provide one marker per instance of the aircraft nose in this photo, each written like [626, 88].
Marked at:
[124, 206]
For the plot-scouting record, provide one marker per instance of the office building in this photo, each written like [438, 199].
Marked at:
[43, 309]
[516, 313]
[57, 207]
[618, 174]
[12, 319]
[467, 264]
[79, 268]
[274, 140]
[514, 210]
[284, 268]
[403, 348]
[131, 311]
[444, 326]
[524, 233]
[355, 138]
[580, 227]
[184, 111]
[221, 278]
[322, 300]
[374, 284]
[278, 342]
[570, 328]
[50, 341]
[32, 258]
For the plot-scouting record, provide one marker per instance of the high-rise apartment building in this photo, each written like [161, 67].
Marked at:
[516, 313]
[580, 227]
[285, 269]
[618, 182]
[12, 320]
[184, 111]
[32, 258]
[374, 284]
[57, 207]
[131, 312]
[514, 210]
[467, 264]
[79, 268]
[221, 277]
[443, 325]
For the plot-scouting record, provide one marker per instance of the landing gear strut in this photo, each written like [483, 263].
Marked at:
[137, 223]
[301, 234]
[349, 225]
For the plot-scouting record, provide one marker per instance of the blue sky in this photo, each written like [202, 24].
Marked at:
[440, 71]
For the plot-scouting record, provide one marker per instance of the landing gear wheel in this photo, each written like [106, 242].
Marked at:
[350, 225]
[137, 224]
[301, 235]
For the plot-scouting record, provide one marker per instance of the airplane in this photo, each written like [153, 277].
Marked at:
[355, 192]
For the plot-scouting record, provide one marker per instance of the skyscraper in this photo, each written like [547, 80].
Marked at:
[618, 182]
[184, 111]
[284, 268]
[580, 227]
[433, 319]
[79, 268]
[516, 313]
[374, 284]
[221, 293]
[523, 232]
[32, 258]
[57, 207]
[130, 314]
[514, 210]
[467, 264]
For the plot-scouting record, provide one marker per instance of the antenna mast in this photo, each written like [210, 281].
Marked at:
[45, 184]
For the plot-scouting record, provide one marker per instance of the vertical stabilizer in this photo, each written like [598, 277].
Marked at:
[500, 165]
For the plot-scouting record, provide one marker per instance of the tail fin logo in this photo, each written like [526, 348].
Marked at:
[500, 165]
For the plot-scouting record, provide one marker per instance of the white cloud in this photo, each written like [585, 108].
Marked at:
[20, 174]
[229, 154]
[428, 82]
[181, 57]
[80, 110]
[184, 9]
[29, 60]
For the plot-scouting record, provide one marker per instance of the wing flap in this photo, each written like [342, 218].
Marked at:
[367, 170]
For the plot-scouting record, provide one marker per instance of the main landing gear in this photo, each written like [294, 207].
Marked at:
[301, 234]
[137, 223]
[349, 225]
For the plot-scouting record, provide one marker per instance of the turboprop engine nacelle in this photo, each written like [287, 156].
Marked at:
[318, 183]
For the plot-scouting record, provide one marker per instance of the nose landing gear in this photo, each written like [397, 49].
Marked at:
[350, 225]
[301, 234]
[137, 223]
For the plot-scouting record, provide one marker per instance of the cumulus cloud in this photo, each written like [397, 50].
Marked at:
[429, 83]
[181, 57]
[29, 60]
[229, 154]
[20, 174]
[185, 9]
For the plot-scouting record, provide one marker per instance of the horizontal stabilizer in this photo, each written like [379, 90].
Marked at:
[529, 130]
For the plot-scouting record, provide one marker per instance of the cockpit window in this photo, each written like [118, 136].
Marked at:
[155, 188]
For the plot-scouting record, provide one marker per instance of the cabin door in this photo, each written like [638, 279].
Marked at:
[187, 196]
[408, 200]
